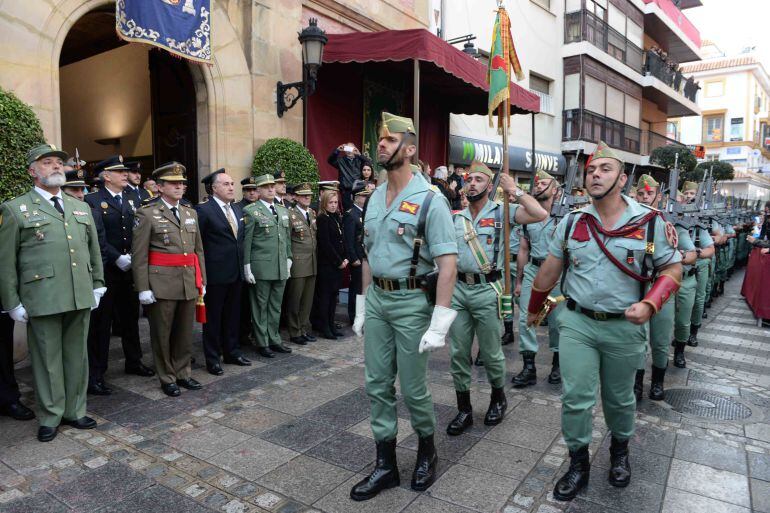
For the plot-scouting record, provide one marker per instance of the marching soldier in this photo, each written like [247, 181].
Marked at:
[115, 207]
[478, 230]
[606, 253]
[52, 279]
[407, 231]
[267, 264]
[534, 242]
[170, 274]
[353, 230]
[704, 247]
[305, 267]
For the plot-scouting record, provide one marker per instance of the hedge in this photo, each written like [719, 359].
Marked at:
[20, 130]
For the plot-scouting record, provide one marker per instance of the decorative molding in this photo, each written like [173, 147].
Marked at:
[344, 15]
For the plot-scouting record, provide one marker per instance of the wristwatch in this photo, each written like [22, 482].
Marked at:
[518, 193]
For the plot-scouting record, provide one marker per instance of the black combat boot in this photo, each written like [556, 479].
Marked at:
[705, 314]
[384, 475]
[478, 362]
[464, 418]
[721, 288]
[554, 377]
[507, 337]
[528, 374]
[497, 406]
[620, 469]
[425, 467]
[679, 360]
[576, 477]
[693, 340]
[639, 385]
[656, 386]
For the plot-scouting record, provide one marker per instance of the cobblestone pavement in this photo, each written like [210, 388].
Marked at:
[292, 435]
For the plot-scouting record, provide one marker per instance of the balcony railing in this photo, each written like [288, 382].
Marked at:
[670, 75]
[585, 26]
[546, 102]
[651, 140]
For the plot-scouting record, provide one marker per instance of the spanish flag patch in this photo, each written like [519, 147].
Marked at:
[638, 234]
[406, 206]
[487, 222]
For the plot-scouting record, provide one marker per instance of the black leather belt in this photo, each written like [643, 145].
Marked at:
[390, 285]
[597, 316]
[692, 272]
[537, 261]
[514, 256]
[475, 279]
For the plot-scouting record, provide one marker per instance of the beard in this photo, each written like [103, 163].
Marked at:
[54, 180]
[393, 162]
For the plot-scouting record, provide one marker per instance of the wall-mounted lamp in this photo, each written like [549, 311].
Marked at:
[313, 40]
[110, 141]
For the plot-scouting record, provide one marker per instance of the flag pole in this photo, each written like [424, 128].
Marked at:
[506, 202]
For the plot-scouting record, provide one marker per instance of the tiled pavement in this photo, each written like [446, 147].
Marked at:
[292, 435]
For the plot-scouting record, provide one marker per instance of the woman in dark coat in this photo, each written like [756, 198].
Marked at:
[331, 262]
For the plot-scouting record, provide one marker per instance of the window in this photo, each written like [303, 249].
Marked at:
[616, 19]
[672, 130]
[615, 103]
[572, 91]
[712, 128]
[633, 111]
[539, 84]
[545, 4]
[736, 129]
[715, 89]
[634, 33]
[597, 7]
[572, 6]
[595, 95]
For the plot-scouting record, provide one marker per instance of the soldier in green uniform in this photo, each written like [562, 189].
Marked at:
[267, 264]
[606, 253]
[305, 267]
[478, 289]
[535, 239]
[250, 194]
[52, 278]
[405, 218]
[170, 275]
[514, 244]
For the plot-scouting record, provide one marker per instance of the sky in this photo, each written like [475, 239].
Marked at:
[734, 25]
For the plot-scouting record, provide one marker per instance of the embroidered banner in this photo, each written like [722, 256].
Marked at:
[182, 27]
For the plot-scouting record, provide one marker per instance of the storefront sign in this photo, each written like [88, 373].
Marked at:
[463, 151]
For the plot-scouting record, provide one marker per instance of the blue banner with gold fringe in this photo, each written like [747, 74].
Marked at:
[182, 27]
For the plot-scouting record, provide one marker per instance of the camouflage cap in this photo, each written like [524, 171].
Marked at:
[170, 172]
[266, 179]
[303, 189]
[689, 186]
[542, 175]
[647, 183]
[604, 151]
[45, 150]
[480, 167]
[392, 124]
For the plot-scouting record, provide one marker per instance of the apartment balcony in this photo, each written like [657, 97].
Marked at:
[665, 23]
[585, 26]
[546, 103]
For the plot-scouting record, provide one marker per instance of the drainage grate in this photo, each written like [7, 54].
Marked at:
[704, 403]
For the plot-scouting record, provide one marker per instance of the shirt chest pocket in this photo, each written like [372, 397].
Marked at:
[402, 226]
[83, 223]
[630, 252]
[486, 235]
[37, 228]
[371, 226]
[191, 228]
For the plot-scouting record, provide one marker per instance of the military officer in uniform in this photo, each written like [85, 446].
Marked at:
[279, 177]
[250, 194]
[301, 284]
[75, 185]
[478, 230]
[52, 278]
[169, 272]
[404, 218]
[353, 231]
[114, 206]
[135, 181]
[267, 264]
[604, 253]
[534, 242]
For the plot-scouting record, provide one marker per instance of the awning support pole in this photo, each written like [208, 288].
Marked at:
[506, 168]
[534, 159]
[416, 105]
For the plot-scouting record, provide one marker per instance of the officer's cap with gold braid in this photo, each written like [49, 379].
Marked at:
[75, 178]
[329, 185]
[261, 180]
[542, 175]
[689, 186]
[303, 189]
[392, 124]
[480, 167]
[170, 172]
[248, 183]
[603, 151]
[646, 183]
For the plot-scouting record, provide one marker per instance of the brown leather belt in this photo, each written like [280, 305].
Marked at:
[390, 285]
[597, 316]
[475, 279]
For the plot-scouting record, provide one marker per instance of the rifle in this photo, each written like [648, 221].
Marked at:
[629, 182]
[568, 201]
[677, 213]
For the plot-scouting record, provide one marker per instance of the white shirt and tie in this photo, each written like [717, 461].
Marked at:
[227, 208]
[58, 202]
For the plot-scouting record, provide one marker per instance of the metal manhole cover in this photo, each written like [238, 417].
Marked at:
[704, 403]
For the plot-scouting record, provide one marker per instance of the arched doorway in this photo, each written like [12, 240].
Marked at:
[126, 98]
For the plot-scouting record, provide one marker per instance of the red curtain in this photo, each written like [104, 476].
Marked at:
[756, 283]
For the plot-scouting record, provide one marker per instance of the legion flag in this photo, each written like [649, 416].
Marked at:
[502, 58]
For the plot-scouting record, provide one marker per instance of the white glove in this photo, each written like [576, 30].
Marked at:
[203, 290]
[440, 322]
[358, 320]
[247, 274]
[288, 265]
[123, 262]
[146, 297]
[98, 293]
[19, 314]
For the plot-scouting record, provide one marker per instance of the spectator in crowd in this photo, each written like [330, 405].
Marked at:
[353, 228]
[151, 187]
[456, 183]
[348, 161]
[425, 170]
[440, 176]
[367, 175]
[331, 262]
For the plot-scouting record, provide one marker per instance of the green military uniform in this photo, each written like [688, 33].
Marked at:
[51, 266]
[685, 298]
[305, 267]
[160, 235]
[702, 240]
[267, 248]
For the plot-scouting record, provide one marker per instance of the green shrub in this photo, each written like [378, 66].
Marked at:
[722, 170]
[665, 156]
[19, 131]
[290, 157]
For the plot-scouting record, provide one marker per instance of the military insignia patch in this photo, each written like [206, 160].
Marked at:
[487, 222]
[409, 207]
[22, 208]
[104, 205]
[671, 236]
[639, 234]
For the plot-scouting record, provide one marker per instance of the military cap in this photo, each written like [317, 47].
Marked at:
[114, 163]
[329, 185]
[542, 175]
[170, 172]
[279, 176]
[45, 150]
[248, 183]
[360, 188]
[689, 186]
[480, 167]
[290, 188]
[632, 192]
[392, 124]
[266, 179]
[209, 178]
[604, 151]
[303, 189]
[75, 178]
[134, 167]
[647, 183]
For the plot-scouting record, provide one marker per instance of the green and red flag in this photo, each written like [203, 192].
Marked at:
[502, 58]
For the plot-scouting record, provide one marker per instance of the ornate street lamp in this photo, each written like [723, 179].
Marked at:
[313, 40]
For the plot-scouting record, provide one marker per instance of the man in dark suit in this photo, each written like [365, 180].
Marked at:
[115, 207]
[250, 194]
[134, 183]
[10, 405]
[221, 226]
[353, 232]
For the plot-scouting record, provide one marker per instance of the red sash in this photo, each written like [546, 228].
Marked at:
[184, 260]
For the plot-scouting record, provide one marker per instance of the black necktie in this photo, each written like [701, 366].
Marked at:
[176, 214]
[57, 205]
[119, 200]
[272, 209]
[307, 216]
